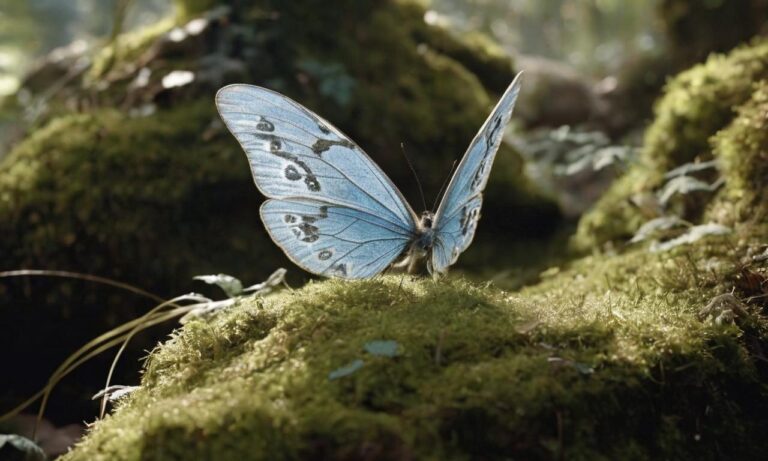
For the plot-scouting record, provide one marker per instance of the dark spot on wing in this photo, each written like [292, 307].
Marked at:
[310, 232]
[291, 173]
[323, 128]
[265, 125]
[322, 145]
[312, 183]
[339, 269]
[324, 255]
[490, 138]
[469, 219]
[306, 231]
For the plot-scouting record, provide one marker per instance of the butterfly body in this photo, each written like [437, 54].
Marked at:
[331, 209]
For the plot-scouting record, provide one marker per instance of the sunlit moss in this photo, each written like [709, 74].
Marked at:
[606, 359]
[696, 105]
[742, 149]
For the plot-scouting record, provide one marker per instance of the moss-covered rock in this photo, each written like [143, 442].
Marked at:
[608, 359]
[697, 104]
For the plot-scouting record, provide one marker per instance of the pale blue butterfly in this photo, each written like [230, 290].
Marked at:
[331, 209]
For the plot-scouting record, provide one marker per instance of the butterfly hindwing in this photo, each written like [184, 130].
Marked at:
[457, 215]
[293, 152]
[333, 240]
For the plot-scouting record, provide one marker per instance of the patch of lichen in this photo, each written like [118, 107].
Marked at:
[696, 105]
[606, 359]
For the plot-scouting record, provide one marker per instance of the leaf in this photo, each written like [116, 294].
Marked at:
[609, 156]
[346, 370]
[115, 392]
[14, 446]
[724, 308]
[272, 281]
[207, 310]
[582, 368]
[685, 185]
[580, 164]
[230, 285]
[688, 168]
[654, 226]
[385, 348]
[694, 233]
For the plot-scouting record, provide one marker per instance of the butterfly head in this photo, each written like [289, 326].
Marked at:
[426, 234]
[427, 218]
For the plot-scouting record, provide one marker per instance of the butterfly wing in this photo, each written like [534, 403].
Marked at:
[311, 169]
[333, 240]
[456, 218]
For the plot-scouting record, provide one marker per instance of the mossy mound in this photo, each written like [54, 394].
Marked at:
[742, 150]
[89, 190]
[607, 359]
[697, 104]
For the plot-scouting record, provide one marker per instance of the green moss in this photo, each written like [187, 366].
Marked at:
[604, 360]
[742, 150]
[94, 189]
[696, 105]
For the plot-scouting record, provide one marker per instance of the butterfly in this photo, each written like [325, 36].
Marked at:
[331, 209]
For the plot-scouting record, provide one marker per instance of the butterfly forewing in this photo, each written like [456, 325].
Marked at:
[333, 211]
[457, 215]
[295, 153]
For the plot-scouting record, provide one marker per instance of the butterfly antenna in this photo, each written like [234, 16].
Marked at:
[410, 165]
[445, 184]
